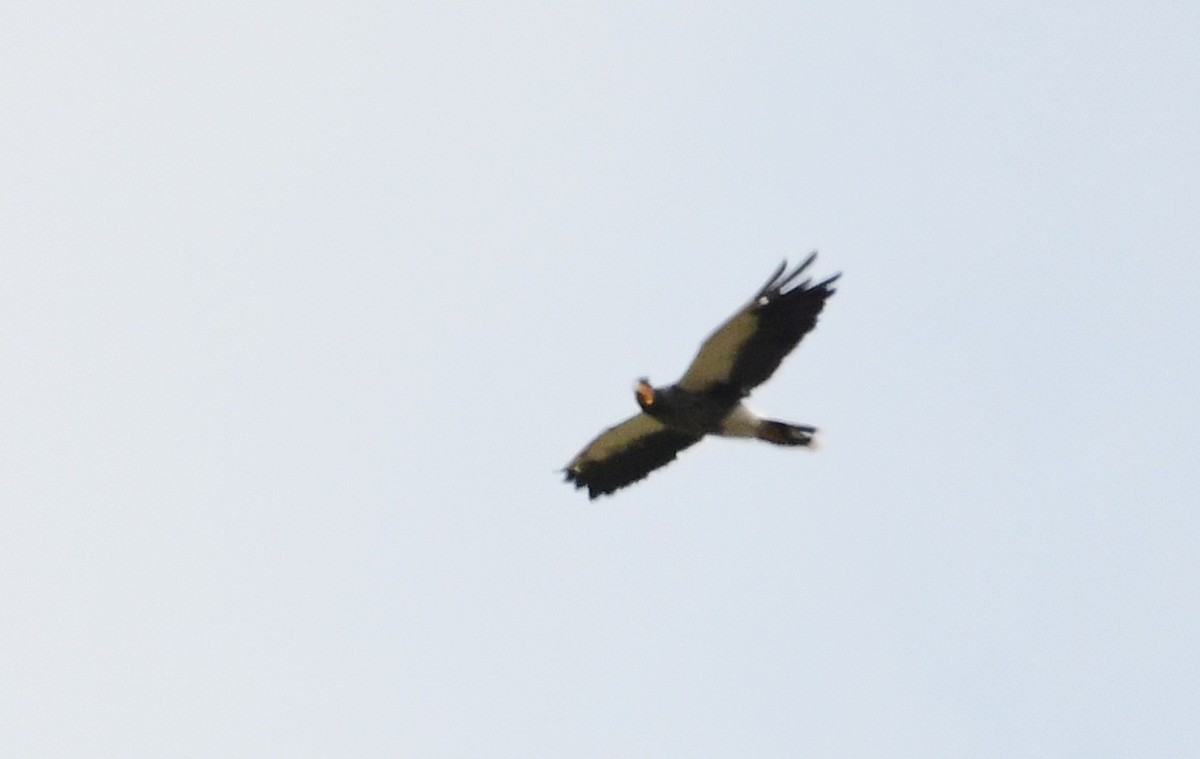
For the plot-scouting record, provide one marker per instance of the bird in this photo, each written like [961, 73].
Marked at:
[741, 354]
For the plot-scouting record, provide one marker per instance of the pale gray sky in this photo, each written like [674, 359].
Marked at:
[303, 305]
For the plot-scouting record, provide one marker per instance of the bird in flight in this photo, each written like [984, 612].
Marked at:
[739, 356]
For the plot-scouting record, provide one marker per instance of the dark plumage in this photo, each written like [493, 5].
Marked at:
[746, 350]
[627, 452]
[737, 357]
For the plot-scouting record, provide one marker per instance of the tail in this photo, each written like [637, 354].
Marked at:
[782, 433]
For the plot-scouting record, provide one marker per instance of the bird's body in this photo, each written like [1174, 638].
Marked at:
[708, 400]
[685, 410]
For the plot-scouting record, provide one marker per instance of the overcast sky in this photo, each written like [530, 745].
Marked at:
[303, 306]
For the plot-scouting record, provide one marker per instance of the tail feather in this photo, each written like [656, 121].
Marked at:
[782, 433]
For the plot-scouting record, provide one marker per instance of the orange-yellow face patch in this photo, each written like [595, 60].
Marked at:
[645, 394]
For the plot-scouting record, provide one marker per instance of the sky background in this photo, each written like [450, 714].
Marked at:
[303, 306]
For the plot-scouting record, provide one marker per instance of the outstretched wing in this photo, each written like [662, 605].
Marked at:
[624, 454]
[744, 351]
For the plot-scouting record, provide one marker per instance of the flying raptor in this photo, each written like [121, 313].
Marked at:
[738, 357]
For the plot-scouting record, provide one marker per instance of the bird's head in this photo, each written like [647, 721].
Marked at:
[644, 393]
